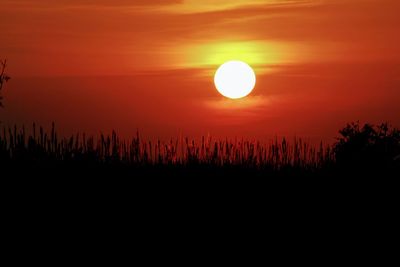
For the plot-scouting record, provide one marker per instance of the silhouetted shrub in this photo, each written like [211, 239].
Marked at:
[368, 147]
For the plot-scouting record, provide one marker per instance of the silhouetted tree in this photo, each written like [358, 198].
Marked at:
[3, 78]
[368, 147]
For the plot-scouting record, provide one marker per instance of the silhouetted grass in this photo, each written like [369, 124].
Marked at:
[41, 149]
[41, 146]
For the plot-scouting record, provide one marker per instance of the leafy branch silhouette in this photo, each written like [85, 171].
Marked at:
[3, 78]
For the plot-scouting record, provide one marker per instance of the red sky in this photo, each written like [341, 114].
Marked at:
[97, 65]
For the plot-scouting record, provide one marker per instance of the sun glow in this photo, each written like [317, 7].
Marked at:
[261, 56]
[235, 79]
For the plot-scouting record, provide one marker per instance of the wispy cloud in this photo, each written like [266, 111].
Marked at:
[207, 6]
[125, 36]
[75, 3]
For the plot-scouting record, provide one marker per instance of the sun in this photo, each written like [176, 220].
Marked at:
[235, 79]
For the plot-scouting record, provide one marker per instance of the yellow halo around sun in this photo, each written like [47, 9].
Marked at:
[235, 79]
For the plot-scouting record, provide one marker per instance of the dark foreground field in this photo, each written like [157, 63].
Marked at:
[87, 185]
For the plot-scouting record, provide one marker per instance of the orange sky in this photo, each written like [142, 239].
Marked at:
[94, 65]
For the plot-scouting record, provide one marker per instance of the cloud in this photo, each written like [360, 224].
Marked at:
[172, 34]
[80, 3]
[207, 6]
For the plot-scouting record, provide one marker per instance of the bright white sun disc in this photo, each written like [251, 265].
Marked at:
[235, 79]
